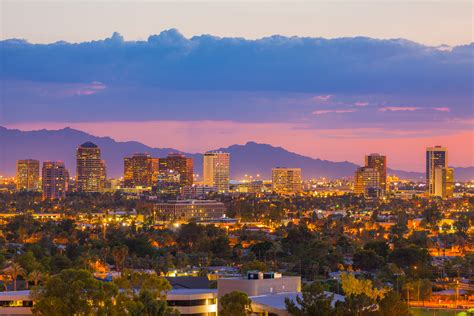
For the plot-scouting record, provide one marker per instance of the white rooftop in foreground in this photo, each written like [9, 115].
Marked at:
[15, 295]
[277, 301]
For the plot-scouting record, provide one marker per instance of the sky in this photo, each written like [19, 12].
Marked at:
[333, 80]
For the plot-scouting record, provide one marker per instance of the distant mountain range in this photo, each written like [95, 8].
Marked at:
[251, 158]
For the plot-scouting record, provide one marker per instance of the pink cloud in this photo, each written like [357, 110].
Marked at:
[412, 108]
[399, 108]
[361, 104]
[321, 112]
[322, 97]
[72, 89]
[444, 109]
[87, 89]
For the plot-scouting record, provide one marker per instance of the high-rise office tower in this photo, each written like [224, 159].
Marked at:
[55, 180]
[216, 169]
[138, 171]
[367, 182]
[439, 177]
[443, 182]
[27, 174]
[287, 180]
[155, 166]
[90, 168]
[379, 163]
[178, 164]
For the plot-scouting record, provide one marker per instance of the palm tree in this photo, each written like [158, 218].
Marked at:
[6, 279]
[35, 276]
[14, 270]
[119, 253]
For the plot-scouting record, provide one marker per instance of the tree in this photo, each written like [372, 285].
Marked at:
[367, 260]
[380, 247]
[35, 276]
[119, 253]
[235, 304]
[431, 216]
[392, 305]
[74, 292]
[143, 294]
[152, 306]
[254, 265]
[313, 302]
[357, 305]
[361, 295]
[14, 270]
[190, 235]
[134, 281]
[419, 290]
[353, 286]
[29, 262]
[410, 256]
[6, 279]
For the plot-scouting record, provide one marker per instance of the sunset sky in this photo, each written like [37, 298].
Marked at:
[333, 80]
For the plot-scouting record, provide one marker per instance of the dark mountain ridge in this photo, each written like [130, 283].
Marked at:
[250, 158]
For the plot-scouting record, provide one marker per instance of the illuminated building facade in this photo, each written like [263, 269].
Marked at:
[55, 180]
[191, 302]
[253, 187]
[27, 174]
[439, 177]
[155, 167]
[216, 168]
[179, 164]
[379, 163]
[90, 169]
[366, 182]
[168, 182]
[138, 171]
[185, 210]
[287, 180]
[443, 182]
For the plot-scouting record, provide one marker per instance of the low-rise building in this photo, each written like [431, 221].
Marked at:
[16, 303]
[193, 301]
[259, 283]
[267, 291]
[185, 210]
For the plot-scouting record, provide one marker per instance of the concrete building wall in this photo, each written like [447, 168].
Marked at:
[259, 287]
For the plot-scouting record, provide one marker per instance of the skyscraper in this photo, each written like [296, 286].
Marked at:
[90, 168]
[180, 164]
[443, 182]
[439, 177]
[155, 166]
[367, 182]
[379, 163]
[287, 180]
[55, 180]
[217, 170]
[138, 171]
[27, 174]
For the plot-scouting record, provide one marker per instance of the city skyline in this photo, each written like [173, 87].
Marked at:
[236, 157]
